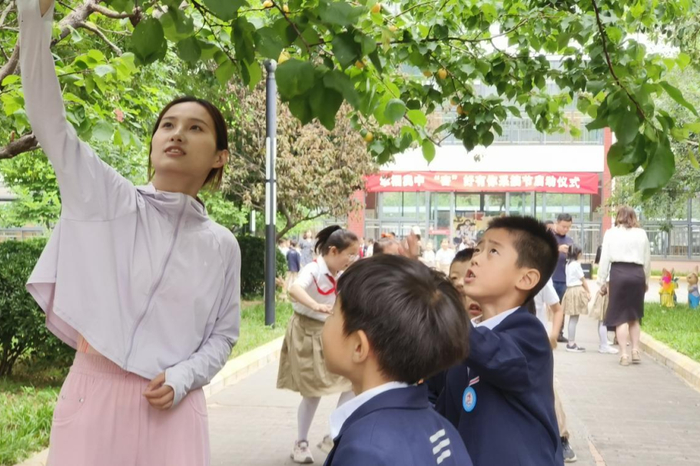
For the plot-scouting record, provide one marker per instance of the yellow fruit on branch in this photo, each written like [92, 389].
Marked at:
[393, 28]
[442, 73]
[284, 56]
[377, 8]
[360, 64]
[454, 101]
[369, 137]
[285, 8]
[427, 73]
[267, 4]
[460, 111]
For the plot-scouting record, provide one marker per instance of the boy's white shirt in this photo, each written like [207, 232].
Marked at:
[546, 297]
[343, 412]
[492, 322]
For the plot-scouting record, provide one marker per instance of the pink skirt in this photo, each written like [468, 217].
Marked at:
[102, 418]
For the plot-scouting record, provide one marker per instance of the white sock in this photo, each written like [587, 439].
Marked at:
[573, 321]
[307, 410]
[603, 334]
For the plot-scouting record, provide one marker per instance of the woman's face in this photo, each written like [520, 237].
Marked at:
[445, 244]
[184, 144]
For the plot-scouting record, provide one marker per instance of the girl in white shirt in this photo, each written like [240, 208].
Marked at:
[444, 257]
[302, 367]
[577, 296]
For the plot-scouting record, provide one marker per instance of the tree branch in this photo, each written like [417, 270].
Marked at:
[101, 35]
[609, 62]
[5, 12]
[109, 13]
[11, 64]
[24, 144]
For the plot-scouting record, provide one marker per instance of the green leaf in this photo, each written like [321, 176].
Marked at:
[345, 49]
[189, 50]
[694, 127]
[325, 104]
[626, 127]
[102, 131]
[515, 111]
[428, 150]
[376, 61]
[300, 108]
[417, 117]
[637, 10]
[340, 13]
[252, 74]
[225, 9]
[487, 138]
[615, 164]
[659, 169]
[176, 24]
[339, 81]
[10, 79]
[677, 95]
[614, 33]
[242, 36]
[102, 70]
[268, 43]
[395, 110]
[294, 77]
[148, 41]
[225, 72]
[693, 159]
[683, 60]
[367, 44]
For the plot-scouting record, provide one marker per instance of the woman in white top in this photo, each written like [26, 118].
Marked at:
[138, 280]
[626, 260]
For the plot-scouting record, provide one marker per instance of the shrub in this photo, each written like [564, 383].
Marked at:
[23, 332]
[253, 265]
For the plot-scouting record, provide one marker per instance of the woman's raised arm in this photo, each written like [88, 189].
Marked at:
[90, 189]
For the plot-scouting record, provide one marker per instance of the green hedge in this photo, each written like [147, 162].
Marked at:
[253, 265]
[23, 332]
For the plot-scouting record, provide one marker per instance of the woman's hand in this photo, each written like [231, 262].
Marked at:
[158, 395]
[44, 6]
[603, 290]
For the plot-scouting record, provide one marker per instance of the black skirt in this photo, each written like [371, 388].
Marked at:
[627, 289]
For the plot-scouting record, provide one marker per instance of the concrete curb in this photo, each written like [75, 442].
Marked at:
[682, 365]
[234, 371]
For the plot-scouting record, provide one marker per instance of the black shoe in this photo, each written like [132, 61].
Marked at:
[561, 339]
[569, 455]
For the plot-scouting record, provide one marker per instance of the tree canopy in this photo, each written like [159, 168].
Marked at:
[394, 63]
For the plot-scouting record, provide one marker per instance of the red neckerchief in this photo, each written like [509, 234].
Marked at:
[327, 292]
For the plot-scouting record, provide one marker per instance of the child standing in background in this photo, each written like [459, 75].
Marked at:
[577, 296]
[302, 366]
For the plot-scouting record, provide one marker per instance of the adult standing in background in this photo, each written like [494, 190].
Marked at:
[626, 259]
[561, 230]
[306, 246]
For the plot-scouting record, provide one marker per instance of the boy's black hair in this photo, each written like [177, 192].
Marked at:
[464, 255]
[413, 317]
[281, 241]
[293, 243]
[537, 248]
[573, 253]
[564, 217]
[334, 236]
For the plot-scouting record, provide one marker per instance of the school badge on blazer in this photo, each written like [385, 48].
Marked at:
[469, 396]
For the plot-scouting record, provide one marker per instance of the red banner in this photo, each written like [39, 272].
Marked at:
[569, 183]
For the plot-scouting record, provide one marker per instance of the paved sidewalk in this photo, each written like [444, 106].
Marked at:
[621, 416]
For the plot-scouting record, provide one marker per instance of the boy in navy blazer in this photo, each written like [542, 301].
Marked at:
[501, 398]
[394, 323]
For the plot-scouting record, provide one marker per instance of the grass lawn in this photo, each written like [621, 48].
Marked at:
[679, 327]
[27, 399]
[26, 409]
[254, 333]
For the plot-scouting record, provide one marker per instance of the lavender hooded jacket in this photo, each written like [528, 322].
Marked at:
[145, 276]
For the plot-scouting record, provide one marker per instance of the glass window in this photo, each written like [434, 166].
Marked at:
[391, 205]
[494, 204]
[467, 204]
[410, 201]
[520, 203]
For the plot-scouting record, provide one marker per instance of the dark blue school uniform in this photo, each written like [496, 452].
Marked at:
[502, 398]
[293, 260]
[398, 427]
